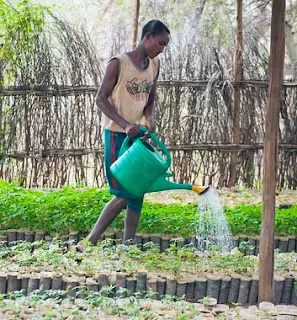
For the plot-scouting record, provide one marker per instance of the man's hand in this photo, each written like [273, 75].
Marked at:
[132, 130]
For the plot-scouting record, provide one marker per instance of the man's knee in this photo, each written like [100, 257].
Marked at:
[135, 205]
[120, 200]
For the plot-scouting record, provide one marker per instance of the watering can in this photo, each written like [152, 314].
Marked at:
[141, 168]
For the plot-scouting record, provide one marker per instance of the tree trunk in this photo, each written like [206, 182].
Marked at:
[276, 66]
[238, 74]
[135, 24]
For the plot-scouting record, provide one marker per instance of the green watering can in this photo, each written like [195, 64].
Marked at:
[141, 168]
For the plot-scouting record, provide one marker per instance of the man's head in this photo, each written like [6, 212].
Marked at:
[155, 37]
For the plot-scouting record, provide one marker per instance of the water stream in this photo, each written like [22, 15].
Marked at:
[213, 231]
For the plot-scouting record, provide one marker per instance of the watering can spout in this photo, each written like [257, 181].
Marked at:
[200, 189]
[162, 184]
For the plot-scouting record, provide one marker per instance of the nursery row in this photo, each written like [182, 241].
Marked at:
[179, 271]
[248, 245]
[56, 304]
[77, 210]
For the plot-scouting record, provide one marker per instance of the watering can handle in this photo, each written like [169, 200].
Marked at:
[159, 143]
[126, 145]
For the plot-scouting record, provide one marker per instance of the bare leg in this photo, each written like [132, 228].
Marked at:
[131, 223]
[111, 210]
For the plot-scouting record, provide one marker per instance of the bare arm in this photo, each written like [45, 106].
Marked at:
[149, 110]
[108, 83]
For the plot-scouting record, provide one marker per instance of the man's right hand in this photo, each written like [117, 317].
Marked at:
[132, 130]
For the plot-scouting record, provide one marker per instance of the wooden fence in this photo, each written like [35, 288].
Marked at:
[51, 136]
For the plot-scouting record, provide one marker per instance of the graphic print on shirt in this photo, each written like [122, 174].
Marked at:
[137, 88]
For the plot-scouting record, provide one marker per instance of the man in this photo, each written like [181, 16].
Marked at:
[126, 99]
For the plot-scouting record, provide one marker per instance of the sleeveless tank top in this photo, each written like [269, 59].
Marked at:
[130, 94]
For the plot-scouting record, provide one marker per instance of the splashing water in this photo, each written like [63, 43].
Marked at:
[213, 231]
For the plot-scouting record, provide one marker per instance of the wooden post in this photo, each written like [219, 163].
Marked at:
[276, 66]
[135, 24]
[238, 74]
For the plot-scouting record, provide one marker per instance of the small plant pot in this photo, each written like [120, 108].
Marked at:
[29, 236]
[145, 239]
[242, 238]
[24, 283]
[234, 288]
[141, 283]
[253, 244]
[49, 238]
[131, 286]
[276, 242]
[278, 289]
[39, 235]
[64, 237]
[103, 281]
[181, 288]
[56, 283]
[189, 295]
[291, 243]
[121, 282]
[161, 287]
[200, 289]
[45, 281]
[257, 246]
[224, 290]
[244, 290]
[81, 236]
[73, 236]
[13, 282]
[11, 235]
[91, 284]
[152, 287]
[119, 235]
[3, 282]
[164, 243]
[213, 286]
[33, 283]
[171, 285]
[283, 244]
[254, 290]
[20, 235]
[138, 239]
[3, 236]
[294, 292]
[70, 284]
[287, 290]
[156, 239]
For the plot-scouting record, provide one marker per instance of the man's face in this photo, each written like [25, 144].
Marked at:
[155, 44]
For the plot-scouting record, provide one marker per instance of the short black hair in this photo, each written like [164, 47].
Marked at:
[154, 27]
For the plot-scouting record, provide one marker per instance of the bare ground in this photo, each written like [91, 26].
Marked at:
[229, 197]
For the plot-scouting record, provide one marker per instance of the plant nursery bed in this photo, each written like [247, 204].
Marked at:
[248, 244]
[178, 271]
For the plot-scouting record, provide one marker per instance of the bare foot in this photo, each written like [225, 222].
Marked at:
[80, 247]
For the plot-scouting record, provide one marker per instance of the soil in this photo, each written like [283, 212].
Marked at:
[229, 197]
